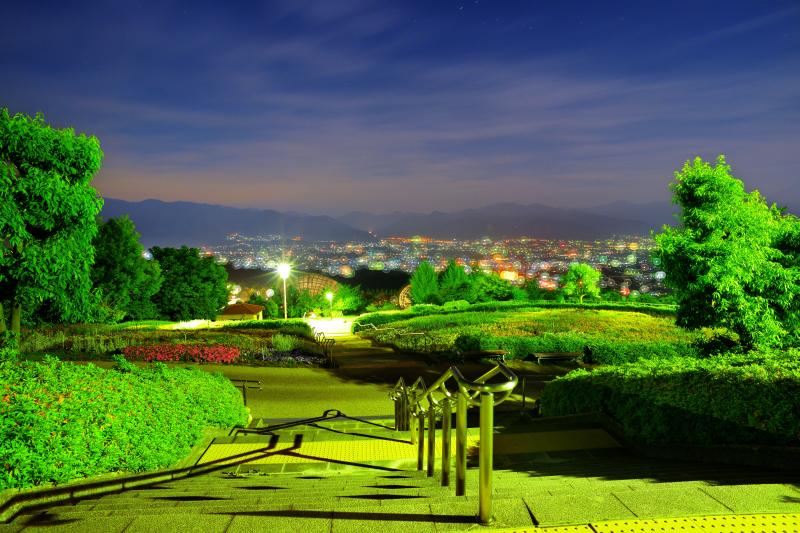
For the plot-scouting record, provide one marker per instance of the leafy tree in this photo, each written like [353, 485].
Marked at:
[489, 287]
[424, 285]
[47, 219]
[348, 299]
[271, 309]
[732, 260]
[126, 280]
[453, 283]
[534, 292]
[581, 280]
[193, 287]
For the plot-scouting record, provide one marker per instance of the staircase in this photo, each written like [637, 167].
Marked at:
[335, 473]
[355, 353]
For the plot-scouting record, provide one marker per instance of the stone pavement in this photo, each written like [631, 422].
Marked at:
[592, 482]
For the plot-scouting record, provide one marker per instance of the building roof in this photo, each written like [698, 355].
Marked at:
[242, 309]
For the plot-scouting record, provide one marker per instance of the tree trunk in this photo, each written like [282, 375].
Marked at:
[16, 315]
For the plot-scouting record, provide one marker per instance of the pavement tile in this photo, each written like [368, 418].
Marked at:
[659, 503]
[386, 519]
[562, 509]
[200, 523]
[757, 498]
[462, 515]
[106, 524]
[282, 521]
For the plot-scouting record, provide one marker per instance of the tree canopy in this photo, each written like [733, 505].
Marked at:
[487, 287]
[126, 280]
[454, 283]
[194, 287]
[424, 284]
[47, 219]
[733, 261]
[581, 280]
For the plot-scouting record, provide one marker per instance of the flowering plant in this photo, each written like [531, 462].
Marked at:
[198, 353]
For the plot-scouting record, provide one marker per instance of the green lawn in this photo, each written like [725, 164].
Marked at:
[612, 336]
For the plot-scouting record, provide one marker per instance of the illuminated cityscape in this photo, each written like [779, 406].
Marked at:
[625, 262]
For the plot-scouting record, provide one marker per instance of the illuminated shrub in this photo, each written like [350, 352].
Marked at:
[283, 343]
[728, 399]
[60, 421]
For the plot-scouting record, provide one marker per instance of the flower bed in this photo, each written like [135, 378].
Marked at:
[196, 353]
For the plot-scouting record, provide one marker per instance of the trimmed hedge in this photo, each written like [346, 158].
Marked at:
[60, 421]
[292, 326]
[595, 350]
[739, 399]
[386, 317]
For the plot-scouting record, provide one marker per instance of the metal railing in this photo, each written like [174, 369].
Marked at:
[245, 384]
[411, 412]
[326, 344]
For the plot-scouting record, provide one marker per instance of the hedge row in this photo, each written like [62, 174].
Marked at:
[60, 421]
[594, 350]
[387, 317]
[292, 326]
[721, 400]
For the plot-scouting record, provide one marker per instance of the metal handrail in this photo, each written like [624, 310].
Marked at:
[410, 411]
[326, 344]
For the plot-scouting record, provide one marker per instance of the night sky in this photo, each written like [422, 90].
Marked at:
[337, 105]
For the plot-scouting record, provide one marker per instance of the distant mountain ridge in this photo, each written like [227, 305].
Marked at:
[192, 224]
[510, 219]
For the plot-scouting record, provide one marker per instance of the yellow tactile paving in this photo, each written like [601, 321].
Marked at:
[385, 450]
[348, 451]
[759, 523]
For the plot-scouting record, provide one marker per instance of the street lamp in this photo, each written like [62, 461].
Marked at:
[283, 272]
[329, 296]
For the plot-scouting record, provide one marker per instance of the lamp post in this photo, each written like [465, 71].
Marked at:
[329, 296]
[283, 272]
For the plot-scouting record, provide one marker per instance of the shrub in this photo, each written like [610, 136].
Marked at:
[283, 343]
[684, 400]
[196, 353]
[456, 305]
[292, 326]
[60, 421]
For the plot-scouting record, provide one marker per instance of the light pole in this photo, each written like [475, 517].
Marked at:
[283, 272]
[329, 296]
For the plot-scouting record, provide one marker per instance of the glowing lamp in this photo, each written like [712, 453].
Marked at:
[283, 272]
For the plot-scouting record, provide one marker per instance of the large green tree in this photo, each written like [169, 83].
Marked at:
[489, 287]
[732, 260]
[47, 219]
[581, 280]
[454, 283]
[424, 284]
[126, 280]
[193, 286]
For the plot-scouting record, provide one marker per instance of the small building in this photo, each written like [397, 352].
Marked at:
[242, 312]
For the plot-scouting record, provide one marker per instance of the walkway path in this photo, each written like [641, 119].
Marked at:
[285, 481]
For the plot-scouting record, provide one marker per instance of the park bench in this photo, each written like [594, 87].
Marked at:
[551, 357]
[493, 355]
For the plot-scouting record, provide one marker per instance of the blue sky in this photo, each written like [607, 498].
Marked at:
[338, 105]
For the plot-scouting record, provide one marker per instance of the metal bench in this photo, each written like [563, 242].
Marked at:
[557, 356]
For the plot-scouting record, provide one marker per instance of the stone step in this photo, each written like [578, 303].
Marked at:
[213, 506]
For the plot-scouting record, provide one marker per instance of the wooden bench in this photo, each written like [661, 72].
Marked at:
[493, 355]
[557, 356]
